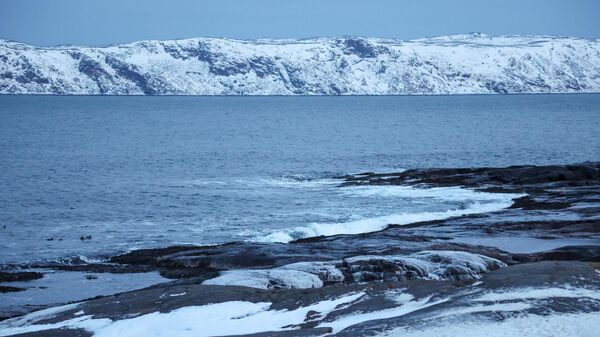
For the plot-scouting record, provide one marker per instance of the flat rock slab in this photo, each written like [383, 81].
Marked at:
[552, 286]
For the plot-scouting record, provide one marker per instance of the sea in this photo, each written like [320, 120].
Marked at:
[93, 176]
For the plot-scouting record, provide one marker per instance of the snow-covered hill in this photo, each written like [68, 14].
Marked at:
[458, 64]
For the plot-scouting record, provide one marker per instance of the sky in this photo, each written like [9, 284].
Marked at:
[104, 22]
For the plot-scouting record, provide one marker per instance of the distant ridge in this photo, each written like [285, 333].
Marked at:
[457, 64]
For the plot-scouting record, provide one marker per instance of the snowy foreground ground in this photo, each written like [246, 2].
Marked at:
[458, 64]
[419, 279]
[568, 308]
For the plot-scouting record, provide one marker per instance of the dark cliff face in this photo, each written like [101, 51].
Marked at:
[339, 66]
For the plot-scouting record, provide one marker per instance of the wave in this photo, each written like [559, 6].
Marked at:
[410, 192]
[471, 202]
[295, 181]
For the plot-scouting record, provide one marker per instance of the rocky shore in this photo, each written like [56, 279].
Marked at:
[538, 260]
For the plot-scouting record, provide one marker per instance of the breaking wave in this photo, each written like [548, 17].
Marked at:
[468, 201]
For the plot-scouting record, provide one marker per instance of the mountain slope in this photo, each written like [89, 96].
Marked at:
[458, 64]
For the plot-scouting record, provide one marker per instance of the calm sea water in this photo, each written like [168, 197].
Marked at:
[151, 171]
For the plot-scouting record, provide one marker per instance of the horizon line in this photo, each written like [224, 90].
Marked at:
[311, 38]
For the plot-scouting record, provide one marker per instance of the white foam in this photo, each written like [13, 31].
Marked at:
[476, 202]
[294, 182]
[430, 193]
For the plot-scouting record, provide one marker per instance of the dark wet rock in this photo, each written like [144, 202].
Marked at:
[9, 289]
[104, 268]
[90, 267]
[310, 332]
[149, 256]
[577, 174]
[571, 253]
[19, 276]
[542, 273]
[551, 226]
[208, 261]
[529, 203]
[57, 333]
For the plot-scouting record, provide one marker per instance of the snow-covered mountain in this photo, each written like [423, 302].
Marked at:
[457, 64]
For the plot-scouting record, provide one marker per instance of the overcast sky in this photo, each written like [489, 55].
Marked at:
[102, 22]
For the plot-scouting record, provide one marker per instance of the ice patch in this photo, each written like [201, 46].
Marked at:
[71, 286]
[539, 293]
[489, 308]
[582, 325]
[39, 315]
[524, 245]
[83, 322]
[520, 299]
[353, 319]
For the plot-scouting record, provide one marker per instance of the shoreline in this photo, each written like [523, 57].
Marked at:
[561, 203]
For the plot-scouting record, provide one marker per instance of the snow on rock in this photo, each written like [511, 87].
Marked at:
[406, 305]
[581, 324]
[267, 279]
[218, 319]
[458, 64]
[538, 293]
[524, 311]
[433, 265]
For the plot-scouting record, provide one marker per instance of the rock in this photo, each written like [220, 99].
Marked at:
[529, 203]
[572, 253]
[9, 289]
[19, 276]
[64, 332]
